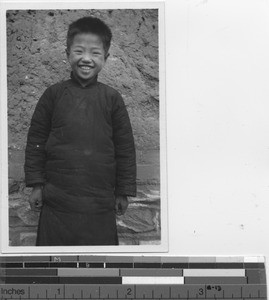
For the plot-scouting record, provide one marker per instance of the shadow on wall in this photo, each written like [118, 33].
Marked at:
[36, 59]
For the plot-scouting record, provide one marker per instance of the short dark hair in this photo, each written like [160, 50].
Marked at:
[89, 25]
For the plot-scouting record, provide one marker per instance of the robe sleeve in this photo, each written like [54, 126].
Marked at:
[124, 150]
[35, 153]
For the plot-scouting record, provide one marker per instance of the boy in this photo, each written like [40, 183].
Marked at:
[80, 155]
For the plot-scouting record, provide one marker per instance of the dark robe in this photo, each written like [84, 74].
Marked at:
[80, 147]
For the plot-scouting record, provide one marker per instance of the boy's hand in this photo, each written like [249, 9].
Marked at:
[121, 205]
[35, 199]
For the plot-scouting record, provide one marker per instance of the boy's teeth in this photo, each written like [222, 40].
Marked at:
[85, 67]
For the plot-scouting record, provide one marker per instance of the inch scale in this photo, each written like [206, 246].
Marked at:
[96, 277]
[78, 292]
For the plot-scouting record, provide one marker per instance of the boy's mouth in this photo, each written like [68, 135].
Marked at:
[85, 67]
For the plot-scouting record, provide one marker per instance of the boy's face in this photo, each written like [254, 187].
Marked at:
[86, 56]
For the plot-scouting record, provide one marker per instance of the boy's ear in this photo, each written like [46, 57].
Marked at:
[67, 52]
[106, 56]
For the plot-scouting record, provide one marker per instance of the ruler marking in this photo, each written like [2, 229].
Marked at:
[233, 290]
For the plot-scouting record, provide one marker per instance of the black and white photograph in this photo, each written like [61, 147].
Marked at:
[137, 128]
[84, 129]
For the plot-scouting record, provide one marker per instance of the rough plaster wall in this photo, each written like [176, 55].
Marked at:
[36, 59]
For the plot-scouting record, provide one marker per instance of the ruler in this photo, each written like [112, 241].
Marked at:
[132, 277]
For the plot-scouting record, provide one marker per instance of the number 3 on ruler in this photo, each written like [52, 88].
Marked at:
[201, 291]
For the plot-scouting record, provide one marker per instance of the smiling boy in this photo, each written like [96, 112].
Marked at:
[80, 155]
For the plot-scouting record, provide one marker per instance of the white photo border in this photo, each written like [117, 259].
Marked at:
[4, 232]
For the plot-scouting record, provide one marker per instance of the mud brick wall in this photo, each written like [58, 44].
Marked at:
[36, 59]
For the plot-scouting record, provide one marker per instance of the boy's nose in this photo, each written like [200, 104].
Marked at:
[87, 57]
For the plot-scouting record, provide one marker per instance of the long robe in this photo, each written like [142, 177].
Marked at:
[80, 146]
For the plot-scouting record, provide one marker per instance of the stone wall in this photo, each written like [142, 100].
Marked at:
[36, 59]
